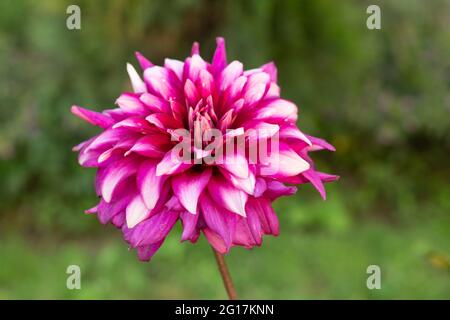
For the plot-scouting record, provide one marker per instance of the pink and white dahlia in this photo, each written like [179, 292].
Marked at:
[206, 143]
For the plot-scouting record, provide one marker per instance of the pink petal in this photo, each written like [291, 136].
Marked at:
[138, 85]
[273, 91]
[95, 118]
[135, 124]
[319, 144]
[145, 253]
[216, 241]
[189, 225]
[107, 211]
[228, 196]
[276, 189]
[143, 61]
[172, 163]
[152, 146]
[230, 74]
[176, 66]
[154, 103]
[256, 130]
[136, 211]
[292, 132]
[219, 60]
[234, 89]
[260, 187]
[131, 104]
[277, 110]
[325, 177]
[236, 164]
[108, 138]
[160, 82]
[243, 236]
[215, 218]
[196, 64]
[191, 93]
[284, 163]
[163, 121]
[206, 83]
[149, 184]
[261, 208]
[115, 174]
[255, 88]
[154, 229]
[316, 182]
[271, 70]
[195, 48]
[119, 220]
[245, 184]
[188, 186]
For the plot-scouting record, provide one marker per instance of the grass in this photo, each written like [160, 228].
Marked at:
[298, 264]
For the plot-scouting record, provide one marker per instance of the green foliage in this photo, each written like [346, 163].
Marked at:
[381, 97]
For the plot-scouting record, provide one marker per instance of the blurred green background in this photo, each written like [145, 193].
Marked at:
[380, 96]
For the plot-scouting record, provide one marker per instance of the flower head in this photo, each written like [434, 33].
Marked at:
[209, 144]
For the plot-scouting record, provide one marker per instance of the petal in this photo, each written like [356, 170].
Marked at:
[107, 211]
[276, 189]
[95, 118]
[195, 48]
[188, 186]
[176, 66]
[131, 104]
[163, 121]
[135, 124]
[277, 110]
[119, 220]
[108, 139]
[320, 144]
[189, 225]
[154, 103]
[219, 60]
[191, 93]
[138, 85]
[145, 253]
[327, 177]
[143, 61]
[115, 174]
[172, 163]
[244, 184]
[152, 146]
[271, 70]
[154, 229]
[215, 241]
[248, 234]
[206, 83]
[292, 132]
[256, 130]
[284, 163]
[236, 164]
[230, 74]
[256, 88]
[136, 211]
[161, 82]
[234, 89]
[195, 65]
[314, 178]
[260, 187]
[149, 184]
[227, 196]
[263, 210]
[215, 218]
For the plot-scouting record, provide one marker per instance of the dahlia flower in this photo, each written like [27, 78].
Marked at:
[157, 156]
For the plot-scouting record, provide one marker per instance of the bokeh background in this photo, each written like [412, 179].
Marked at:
[381, 97]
